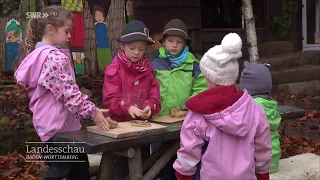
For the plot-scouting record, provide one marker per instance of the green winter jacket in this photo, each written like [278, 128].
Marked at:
[274, 118]
[177, 85]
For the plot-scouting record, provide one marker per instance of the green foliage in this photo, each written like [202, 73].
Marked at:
[282, 22]
[6, 5]
[7, 8]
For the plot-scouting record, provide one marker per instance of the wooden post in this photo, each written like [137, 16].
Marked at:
[250, 30]
[105, 166]
[135, 165]
[151, 159]
[129, 153]
[156, 168]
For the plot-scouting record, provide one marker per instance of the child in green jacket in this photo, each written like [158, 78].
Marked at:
[256, 79]
[176, 69]
[178, 74]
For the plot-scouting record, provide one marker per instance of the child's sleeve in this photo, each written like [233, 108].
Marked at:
[154, 101]
[112, 98]
[191, 142]
[56, 77]
[199, 82]
[263, 146]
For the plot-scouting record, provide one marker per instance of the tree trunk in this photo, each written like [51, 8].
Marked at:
[250, 30]
[90, 49]
[115, 22]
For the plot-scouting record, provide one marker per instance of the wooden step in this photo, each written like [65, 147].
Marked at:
[292, 59]
[290, 112]
[280, 61]
[296, 74]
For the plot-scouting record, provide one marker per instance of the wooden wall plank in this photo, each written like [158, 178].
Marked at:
[152, 13]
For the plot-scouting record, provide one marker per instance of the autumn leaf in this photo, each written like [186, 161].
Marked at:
[13, 166]
[14, 111]
[311, 150]
[9, 93]
[279, 99]
[286, 95]
[289, 103]
[296, 138]
[307, 101]
[299, 96]
[13, 123]
[303, 118]
[317, 114]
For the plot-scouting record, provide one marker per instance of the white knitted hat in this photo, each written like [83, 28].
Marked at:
[220, 63]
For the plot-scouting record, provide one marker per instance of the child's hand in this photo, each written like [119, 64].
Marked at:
[135, 112]
[146, 112]
[100, 120]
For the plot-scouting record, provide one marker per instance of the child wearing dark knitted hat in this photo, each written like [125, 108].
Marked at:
[256, 79]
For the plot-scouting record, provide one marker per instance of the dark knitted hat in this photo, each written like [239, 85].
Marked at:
[256, 79]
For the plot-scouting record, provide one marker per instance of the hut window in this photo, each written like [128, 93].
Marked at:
[228, 13]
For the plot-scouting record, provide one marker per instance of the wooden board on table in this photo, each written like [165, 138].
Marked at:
[167, 119]
[125, 129]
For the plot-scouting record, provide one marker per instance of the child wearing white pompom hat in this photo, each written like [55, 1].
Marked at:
[224, 128]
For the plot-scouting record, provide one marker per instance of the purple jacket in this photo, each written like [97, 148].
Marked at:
[236, 130]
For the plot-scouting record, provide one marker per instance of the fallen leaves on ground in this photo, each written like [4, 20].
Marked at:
[14, 166]
[311, 114]
[15, 109]
[285, 94]
[307, 101]
[294, 145]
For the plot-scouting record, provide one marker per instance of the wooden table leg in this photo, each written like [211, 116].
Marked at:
[165, 158]
[105, 166]
[135, 165]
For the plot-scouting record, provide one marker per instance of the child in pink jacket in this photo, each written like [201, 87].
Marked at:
[233, 126]
[47, 76]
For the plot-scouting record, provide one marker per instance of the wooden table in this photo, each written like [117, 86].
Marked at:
[128, 147]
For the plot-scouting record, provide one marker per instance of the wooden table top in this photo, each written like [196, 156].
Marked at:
[95, 143]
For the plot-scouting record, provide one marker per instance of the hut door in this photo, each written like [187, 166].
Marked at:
[311, 24]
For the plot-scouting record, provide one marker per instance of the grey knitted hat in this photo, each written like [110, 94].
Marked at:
[256, 79]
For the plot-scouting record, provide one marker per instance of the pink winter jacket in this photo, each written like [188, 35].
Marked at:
[236, 130]
[55, 99]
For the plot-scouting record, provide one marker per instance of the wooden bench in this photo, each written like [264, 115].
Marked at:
[129, 148]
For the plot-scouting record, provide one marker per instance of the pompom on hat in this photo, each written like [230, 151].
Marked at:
[220, 63]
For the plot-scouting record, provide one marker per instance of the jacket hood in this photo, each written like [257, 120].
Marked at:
[28, 72]
[226, 108]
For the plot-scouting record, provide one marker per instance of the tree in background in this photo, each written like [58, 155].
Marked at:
[250, 30]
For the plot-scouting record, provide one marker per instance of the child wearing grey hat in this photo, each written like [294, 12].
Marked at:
[256, 79]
